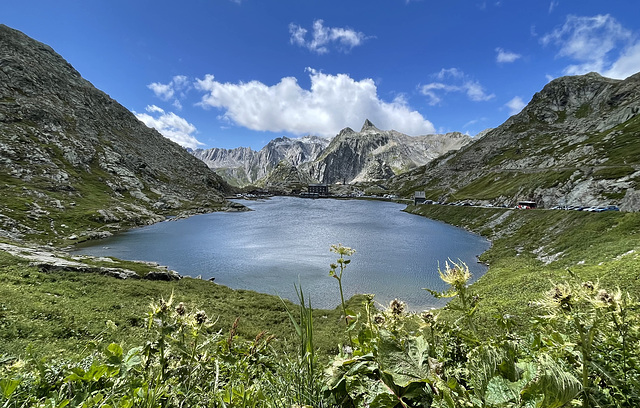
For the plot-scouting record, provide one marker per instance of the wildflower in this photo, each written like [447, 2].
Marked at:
[397, 307]
[201, 317]
[232, 332]
[561, 295]
[163, 306]
[269, 339]
[604, 297]
[181, 310]
[428, 317]
[588, 285]
[332, 271]
[111, 325]
[342, 250]
[378, 319]
[260, 335]
[347, 350]
[456, 276]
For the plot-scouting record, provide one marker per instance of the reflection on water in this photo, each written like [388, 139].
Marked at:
[286, 240]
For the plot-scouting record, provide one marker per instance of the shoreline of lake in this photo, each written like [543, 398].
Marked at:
[263, 258]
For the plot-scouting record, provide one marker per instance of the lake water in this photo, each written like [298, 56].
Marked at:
[286, 240]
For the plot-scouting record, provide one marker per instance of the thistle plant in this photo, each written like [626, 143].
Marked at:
[457, 275]
[595, 325]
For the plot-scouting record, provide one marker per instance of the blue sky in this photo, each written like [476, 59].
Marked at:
[229, 73]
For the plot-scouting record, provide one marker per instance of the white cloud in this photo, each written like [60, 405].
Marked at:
[599, 43]
[506, 56]
[627, 65]
[344, 39]
[458, 82]
[553, 5]
[449, 72]
[332, 103]
[515, 105]
[170, 126]
[178, 87]
[162, 91]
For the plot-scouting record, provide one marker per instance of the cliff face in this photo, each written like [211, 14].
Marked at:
[243, 166]
[73, 160]
[576, 143]
[373, 154]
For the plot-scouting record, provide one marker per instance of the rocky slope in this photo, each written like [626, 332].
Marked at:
[576, 143]
[74, 163]
[374, 154]
[243, 166]
[285, 178]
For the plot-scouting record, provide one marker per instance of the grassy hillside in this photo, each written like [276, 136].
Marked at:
[533, 249]
[50, 312]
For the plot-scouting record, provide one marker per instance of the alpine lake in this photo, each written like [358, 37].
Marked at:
[285, 242]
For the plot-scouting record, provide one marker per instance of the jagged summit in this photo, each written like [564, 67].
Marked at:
[374, 154]
[346, 131]
[243, 166]
[368, 127]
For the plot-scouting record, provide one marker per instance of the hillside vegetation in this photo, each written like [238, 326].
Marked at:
[554, 322]
[533, 248]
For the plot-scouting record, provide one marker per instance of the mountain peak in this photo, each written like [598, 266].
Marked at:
[368, 126]
[346, 131]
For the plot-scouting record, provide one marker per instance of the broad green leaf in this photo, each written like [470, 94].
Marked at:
[114, 354]
[8, 386]
[132, 358]
[384, 400]
[404, 363]
[499, 392]
[553, 383]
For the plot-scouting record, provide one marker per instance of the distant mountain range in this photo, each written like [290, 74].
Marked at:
[75, 164]
[243, 166]
[576, 143]
[368, 155]
[373, 154]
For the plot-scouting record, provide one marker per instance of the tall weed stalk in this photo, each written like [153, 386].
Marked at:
[308, 384]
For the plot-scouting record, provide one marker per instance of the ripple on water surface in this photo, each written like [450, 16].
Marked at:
[286, 240]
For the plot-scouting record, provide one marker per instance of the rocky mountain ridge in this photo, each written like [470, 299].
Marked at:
[576, 143]
[350, 157]
[76, 164]
[373, 154]
[243, 166]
